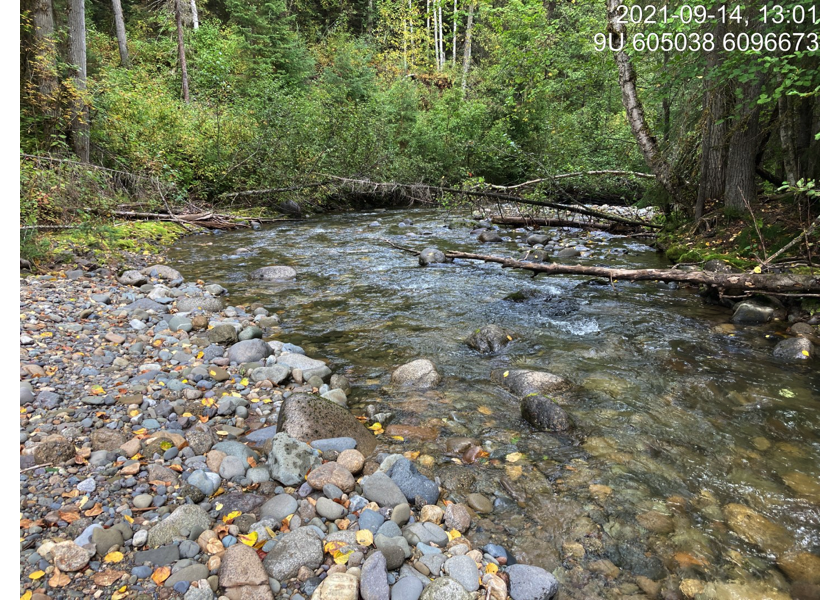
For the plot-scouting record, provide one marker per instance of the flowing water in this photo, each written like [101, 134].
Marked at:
[678, 413]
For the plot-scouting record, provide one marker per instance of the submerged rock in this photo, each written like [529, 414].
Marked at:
[432, 256]
[274, 273]
[420, 373]
[791, 349]
[545, 414]
[521, 382]
[750, 312]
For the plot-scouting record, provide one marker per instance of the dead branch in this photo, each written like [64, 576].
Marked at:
[568, 175]
[730, 282]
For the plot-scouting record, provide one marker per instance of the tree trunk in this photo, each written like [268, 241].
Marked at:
[440, 37]
[182, 57]
[468, 45]
[80, 128]
[713, 150]
[635, 112]
[787, 134]
[121, 38]
[743, 149]
[454, 33]
[43, 63]
[194, 11]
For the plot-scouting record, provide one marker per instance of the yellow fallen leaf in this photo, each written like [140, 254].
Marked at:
[398, 438]
[228, 518]
[36, 575]
[249, 539]
[26, 596]
[140, 431]
[120, 593]
[411, 455]
[236, 394]
[806, 353]
[484, 410]
[510, 339]
[506, 373]
[187, 414]
[513, 456]
[208, 401]
[113, 557]
[244, 381]
[129, 519]
[757, 270]
[219, 506]
[133, 413]
[375, 426]
[491, 568]
[453, 534]
[364, 537]
[222, 433]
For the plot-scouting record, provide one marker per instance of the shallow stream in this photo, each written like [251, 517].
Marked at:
[678, 412]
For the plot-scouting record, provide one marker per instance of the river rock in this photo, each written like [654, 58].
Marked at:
[290, 459]
[412, 483]
[273, 273]
[249, 351]
[69, 557]
[164, 272]
[420, 373]
[55, 450]
[431, 256]
[792, 349]
[750, 312]
[531, 583]
[186, 516]
[330, 510]
[239, 450]
[445, 588]
[309, 367]
[521, 382]
[757, 529]
[489, 237]
[332, 473]
[206, 303]
[407, 588]
[800, 566]
[463, 570]
[275, 374]
[380, 489]
[222, 334]
[753, 590]
[132, 277]
[279, 507]
[307, 417]
[489, 339]
[188, 574]
[374, 581]
[337, 586]
[544, 414]
[299, 548]
[456, 517]
[241, 566]
[537, 238]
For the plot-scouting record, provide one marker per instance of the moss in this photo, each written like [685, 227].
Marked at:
[674, 253]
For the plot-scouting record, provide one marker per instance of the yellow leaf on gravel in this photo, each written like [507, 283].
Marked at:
[161, 574]
[484, 410]
[513, 456]
[249, 539]
[757, 270]
[228, 518]
[120, 593]
[411, 455]
[364, 537]
[222, 433]
[36, 575]
[453, 534]
[506, 373]
[133, 413]
[491, 568]
[129, 519]
[219, 506]
[26, 596]
[187, 414]
[510, 339]
[244, 381]
[140, 431]
[113, 557]
[398, 438]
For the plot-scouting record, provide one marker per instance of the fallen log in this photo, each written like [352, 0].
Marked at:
[551, 222]
[578, 174]
[749, 283]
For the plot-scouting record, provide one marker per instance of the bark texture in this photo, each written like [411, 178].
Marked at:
[122, 40]
[80, 129]
[743, 148]
[468, 45]
[182, 57]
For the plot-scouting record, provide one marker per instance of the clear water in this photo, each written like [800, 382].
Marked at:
[675, 414]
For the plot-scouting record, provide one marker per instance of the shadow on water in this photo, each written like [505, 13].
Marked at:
[676, 419]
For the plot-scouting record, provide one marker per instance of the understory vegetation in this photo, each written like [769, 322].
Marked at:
[280, 94]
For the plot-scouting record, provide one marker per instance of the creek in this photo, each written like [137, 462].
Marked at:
[678, 413]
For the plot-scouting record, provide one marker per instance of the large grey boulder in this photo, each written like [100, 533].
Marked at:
[274, 273]
[420, 373]
[489, 339]
[310, 367]
[132, 277]
[249, 351]
[185, 517]
[445, 588]
[521, 382]
[431, 256]
[290, 460]
[164, 272]
[306, 417]
[750, 312]
[531, 583]
[299, 548]
[486, 237]
[791, 349]
[206, 303]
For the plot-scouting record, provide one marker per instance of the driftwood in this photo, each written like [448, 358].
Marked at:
[568, 175]
[552, 222]
[748, 283]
